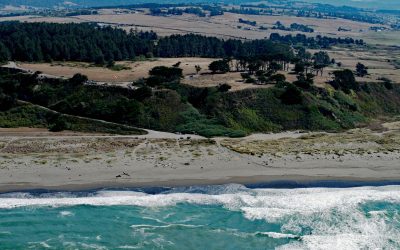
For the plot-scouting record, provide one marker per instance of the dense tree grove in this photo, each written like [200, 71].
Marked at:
[80, 42]
[91, 43]
[177, 11]
[293, 27]
[7, 93]
[314, 42]
[4, 53]
[201, 46]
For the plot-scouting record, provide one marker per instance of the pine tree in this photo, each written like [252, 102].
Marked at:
[4, 53]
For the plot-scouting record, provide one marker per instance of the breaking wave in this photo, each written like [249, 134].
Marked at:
[309, 218]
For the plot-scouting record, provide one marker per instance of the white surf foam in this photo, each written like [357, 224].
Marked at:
[66, 213]
[280, 235]
[147, 226]
[255, 203]
[324, 218]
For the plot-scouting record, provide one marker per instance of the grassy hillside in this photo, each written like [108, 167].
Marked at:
[28, 115]
[262, 110]
[175, 107]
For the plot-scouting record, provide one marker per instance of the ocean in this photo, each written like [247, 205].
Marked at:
[208, 217]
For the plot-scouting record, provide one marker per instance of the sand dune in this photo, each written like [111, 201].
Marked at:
[71, 161]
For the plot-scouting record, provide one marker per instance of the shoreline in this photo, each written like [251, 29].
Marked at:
[170, 160]
[273, 182]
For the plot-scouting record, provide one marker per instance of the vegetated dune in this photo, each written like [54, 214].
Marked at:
[69, 162]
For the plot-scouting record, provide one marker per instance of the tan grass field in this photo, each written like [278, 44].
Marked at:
[209, 80]
[227, 24]
[381, 60]
[221, 26]
[137, 69]
[140, 70]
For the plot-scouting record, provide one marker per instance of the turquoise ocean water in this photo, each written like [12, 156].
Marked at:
[214, 217]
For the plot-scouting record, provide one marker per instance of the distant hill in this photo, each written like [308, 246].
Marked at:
[374, 4]
[59, 3]
[94, 3]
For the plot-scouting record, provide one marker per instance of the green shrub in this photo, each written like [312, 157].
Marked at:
[119, 67]
[245, 75]
[191, 121]
[59, 125]
[250, 80]
[142, 93]
[345, 100]
[387, 83]
[277, 78]
[224, 87]
[249, 120]
[291, 95]
[23, 116]
[168, 73]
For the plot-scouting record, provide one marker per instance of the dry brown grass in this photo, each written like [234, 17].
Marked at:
[359, 141]
[209, 80]
[227, 24]
[70, 145]
[221, 26]
[380, 60]
[140, 69]
[137, 69]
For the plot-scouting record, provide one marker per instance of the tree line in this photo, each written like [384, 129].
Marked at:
[177, 11]
[314, 42]
[293, 27]
[100, 45]
[78, 42]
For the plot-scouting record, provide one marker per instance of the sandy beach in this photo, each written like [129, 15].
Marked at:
[37, 159]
